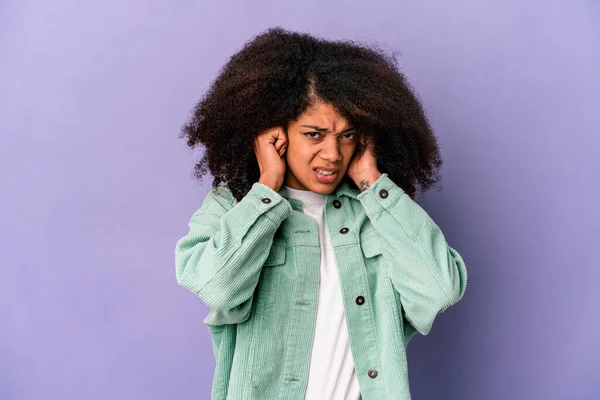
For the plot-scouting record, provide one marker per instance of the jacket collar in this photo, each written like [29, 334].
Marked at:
[343, 189]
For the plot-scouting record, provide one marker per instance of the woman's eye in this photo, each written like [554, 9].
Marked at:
[313, 133]
[352, 135]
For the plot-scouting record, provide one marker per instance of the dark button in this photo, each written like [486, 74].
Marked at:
[383, 193]
[337, 204]
[360, 300]
[372, 373]
[266, 200]
[344, 230]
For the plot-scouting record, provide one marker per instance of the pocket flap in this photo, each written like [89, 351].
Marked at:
[371, 246]
[276, 255]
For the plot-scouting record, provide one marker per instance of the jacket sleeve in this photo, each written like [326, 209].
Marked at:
[221, 257]
[428, 274]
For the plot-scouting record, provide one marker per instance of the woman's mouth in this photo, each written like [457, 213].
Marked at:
[325, 175]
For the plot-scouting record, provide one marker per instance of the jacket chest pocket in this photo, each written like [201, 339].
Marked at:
[379, 283]
[371, 246]
[276, 255]
[272, 275]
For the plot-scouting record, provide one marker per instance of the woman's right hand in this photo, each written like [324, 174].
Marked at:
[269, 147]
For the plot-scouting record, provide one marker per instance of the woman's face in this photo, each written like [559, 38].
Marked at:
[320, 141]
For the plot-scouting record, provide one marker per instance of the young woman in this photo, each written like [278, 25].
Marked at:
[315, 261]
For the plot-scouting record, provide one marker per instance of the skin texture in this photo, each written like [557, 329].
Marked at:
[278, 76]
[332, 146]
[320, 137]
[270, 147]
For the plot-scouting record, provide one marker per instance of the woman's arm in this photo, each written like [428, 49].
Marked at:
[429, 275]
[221, 257]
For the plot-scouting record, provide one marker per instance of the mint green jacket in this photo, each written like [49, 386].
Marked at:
[255, 264]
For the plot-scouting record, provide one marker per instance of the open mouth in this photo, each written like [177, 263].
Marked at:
[326, 175]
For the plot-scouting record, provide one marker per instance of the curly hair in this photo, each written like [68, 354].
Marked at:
[277, 75]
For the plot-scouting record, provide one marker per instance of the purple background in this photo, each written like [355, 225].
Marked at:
[95, 188]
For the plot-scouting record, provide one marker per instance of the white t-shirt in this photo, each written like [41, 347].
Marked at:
[331, 375]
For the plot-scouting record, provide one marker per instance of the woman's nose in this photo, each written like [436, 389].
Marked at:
[331, 150]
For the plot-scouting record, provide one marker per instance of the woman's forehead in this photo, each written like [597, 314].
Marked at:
[323, 115]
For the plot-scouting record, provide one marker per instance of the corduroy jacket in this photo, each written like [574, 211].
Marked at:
[255, 264]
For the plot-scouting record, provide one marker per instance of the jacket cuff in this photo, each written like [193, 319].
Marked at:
[382, 194]
[267, 201]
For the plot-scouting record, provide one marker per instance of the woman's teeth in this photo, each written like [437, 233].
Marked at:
[325, 172]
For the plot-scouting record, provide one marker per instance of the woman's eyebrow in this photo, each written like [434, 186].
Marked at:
[319, 129]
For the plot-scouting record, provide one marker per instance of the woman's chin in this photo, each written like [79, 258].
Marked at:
[323, 188]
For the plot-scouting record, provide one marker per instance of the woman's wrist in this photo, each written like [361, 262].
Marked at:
[274, 182]
[366, 178]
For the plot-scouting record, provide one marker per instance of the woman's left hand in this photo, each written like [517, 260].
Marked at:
[363, 165]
